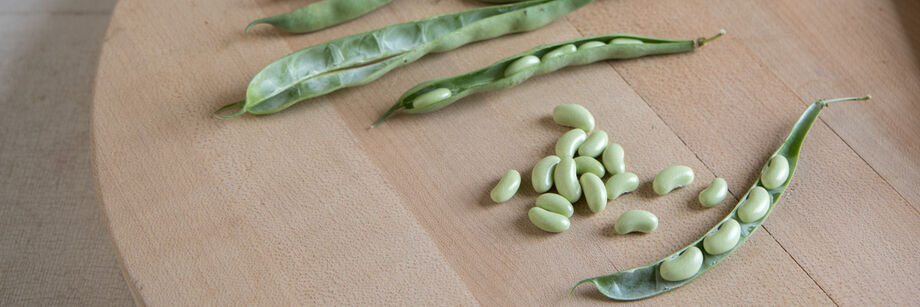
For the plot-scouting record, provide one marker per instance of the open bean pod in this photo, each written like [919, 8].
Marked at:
[361, 58]
[588, 50]
[320, 15]
[646, 281]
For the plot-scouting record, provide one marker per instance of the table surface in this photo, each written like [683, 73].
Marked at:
[310, 207]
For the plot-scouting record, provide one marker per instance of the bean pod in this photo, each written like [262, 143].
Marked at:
[361, 58]
[494, 77]
[648, 280]
[320, 15]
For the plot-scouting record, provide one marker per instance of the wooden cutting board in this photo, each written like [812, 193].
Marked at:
[310, 207]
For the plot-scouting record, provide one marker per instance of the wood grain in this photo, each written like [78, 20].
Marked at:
[310, 207]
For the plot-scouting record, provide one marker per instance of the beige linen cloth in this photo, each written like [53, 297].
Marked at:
[54, 248]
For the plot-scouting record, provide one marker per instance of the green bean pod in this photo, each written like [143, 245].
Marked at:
[361, 58]
[493, 77]
[320, 15]
[646, 281]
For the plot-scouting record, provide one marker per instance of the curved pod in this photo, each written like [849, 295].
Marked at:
[594, 191]
[566, 180]
[506, 187]
[636, 221]
[542, 174]
[643, 281]
[569, 142]
[671, 178]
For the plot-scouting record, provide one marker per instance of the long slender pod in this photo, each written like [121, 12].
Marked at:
[361, 58]
[727, 236]
[436, 94]
[320, 15]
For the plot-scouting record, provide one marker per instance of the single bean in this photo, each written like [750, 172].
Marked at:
[684, 266]
[555, 203]
[776, 172]
[671, 178]
[563, 50]
[320, 15]
[585, 164]
[566, 180]
[548, 221]
[595, 193]
[362, 58]
[642, 281]
[506, 187]
[755, 206]
[542, 174]
[613, 159]
[434, 96]
[625, 40]
[573, 115]
[621, 183]
[714, 194]
[591, 44]
[723, 239]
[590, 50]
[569, 142]
[636, 221]
[594, 145]
[522, 64]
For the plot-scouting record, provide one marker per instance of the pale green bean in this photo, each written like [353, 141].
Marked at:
[569, 142]
[506, 187]
[542, 174]
[594, 145]
[620, 184]
[671, 178]
[613, 159]
[714, 194]
[594, 191]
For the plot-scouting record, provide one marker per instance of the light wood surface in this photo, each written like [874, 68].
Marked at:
[310, 207]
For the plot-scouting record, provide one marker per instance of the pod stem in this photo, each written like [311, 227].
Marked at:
[240, 104]
[828, 101]
[389, 112]
[703, 40]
